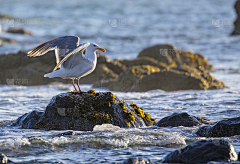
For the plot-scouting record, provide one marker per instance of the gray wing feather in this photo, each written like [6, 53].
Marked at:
[76, 59]
[62, 46]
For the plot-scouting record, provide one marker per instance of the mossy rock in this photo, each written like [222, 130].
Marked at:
[82, 111]
[129, 78]
[195, 60]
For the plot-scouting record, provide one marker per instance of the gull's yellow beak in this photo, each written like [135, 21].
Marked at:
[102, 49]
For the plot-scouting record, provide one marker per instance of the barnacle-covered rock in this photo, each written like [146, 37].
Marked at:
[82, 111]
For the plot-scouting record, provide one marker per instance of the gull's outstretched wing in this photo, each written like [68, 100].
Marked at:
[62, 46]
[74, 57]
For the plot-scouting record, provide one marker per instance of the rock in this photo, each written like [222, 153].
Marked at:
[173, 80]
[224, 128]
[101, 74]
[17, 30]
[28, 120]
[202, 152]
[158, 67]
[142, 61]
[129, 78]
[194, 60]
[168, 54]
[6, 17]
[82, 111]
[114, 65]
[175, 70]
[6, 40]
[236, 30]
[168, 81]
[3, 158]
[206, 78]
[19, 69]
[180, 119]
[137, 161]
[162, 52]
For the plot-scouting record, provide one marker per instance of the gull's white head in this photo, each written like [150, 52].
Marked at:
[94, 47]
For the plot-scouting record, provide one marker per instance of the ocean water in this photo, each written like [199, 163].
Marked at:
[123, 28]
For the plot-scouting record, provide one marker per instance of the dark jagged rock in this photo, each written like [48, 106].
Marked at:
[137, 161]
[236, 30]
[202, 152]
[180, 119]
[224, 128]
[28, 120]
[74, 111]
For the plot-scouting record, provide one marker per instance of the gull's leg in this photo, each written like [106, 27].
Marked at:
[74, 85]
[79, 86]
[80, 91]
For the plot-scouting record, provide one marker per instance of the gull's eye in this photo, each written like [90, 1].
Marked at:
[94, 45]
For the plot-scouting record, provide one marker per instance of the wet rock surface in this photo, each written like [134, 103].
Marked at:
[82, 111]
[159, 67]
[202, 152]
[180, 119]
[236, 30]
[224, 128]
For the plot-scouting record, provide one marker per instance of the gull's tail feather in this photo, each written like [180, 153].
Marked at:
[53, 74]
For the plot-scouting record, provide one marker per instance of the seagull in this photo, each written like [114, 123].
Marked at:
[74, 61]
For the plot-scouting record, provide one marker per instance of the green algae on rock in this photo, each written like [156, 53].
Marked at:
[82, 111]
